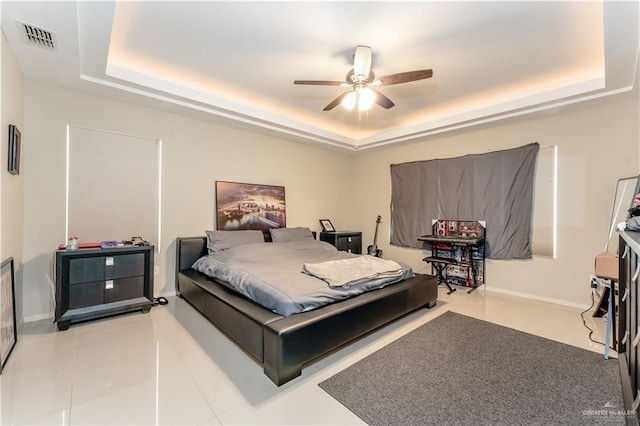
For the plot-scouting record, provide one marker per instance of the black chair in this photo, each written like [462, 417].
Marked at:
[440, 264]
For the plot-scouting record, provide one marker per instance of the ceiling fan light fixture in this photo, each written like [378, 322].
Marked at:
[349, 101]
[366, 99]
[360, 78]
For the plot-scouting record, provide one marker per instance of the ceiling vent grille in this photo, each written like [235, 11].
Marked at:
[37, 36]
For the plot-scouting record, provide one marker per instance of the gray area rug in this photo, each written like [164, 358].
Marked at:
[459, 370]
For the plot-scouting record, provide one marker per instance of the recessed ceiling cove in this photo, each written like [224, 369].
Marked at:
[238, 60]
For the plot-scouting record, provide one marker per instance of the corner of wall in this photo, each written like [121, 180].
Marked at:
[12, 186]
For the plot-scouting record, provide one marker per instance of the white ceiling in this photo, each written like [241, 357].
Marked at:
[237, 60]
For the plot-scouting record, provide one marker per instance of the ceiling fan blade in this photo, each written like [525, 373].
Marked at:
[405, 77]
[362, 61]
[319, 82]
[382, 100]
[334, 103]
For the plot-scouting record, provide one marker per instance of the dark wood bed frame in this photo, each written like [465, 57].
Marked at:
[282, 345]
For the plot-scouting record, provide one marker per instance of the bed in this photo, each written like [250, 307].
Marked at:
[283, 344]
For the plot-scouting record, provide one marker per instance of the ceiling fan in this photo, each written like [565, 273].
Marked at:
[361, 79]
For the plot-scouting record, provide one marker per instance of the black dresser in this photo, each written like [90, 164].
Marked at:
[344, 240]
[628, 334]
[96, 283]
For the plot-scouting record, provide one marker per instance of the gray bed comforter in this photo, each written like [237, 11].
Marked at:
[271, 274]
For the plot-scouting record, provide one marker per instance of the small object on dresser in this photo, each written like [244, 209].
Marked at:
[72, 243]
[109, 244]
[138, 241]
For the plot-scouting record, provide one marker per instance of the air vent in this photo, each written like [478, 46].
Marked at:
[37, 36]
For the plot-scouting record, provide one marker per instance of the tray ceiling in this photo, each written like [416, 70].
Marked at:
[238, 60]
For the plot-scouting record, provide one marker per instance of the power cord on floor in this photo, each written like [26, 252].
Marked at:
[584, 322]
[160, 301]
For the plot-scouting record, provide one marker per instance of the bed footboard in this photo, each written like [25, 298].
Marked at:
[292, 342]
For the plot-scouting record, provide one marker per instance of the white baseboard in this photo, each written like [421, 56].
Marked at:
[536, 297]
[167, 293]
[529, 296]
[38, 317]
[50, 315]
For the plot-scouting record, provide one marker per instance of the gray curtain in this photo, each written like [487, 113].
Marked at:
[496, 187]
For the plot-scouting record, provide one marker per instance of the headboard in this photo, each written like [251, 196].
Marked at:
[267, 235]
[190, 249]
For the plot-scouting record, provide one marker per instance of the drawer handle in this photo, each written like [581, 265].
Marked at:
[108, 261]
[108, 285]
[626, 250]
[636, 402]
[626, 336]
[626, 293]
[635, 276]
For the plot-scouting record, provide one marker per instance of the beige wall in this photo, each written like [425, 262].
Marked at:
[195, 154]
[12, 187]
[597, 144]
[350, 189]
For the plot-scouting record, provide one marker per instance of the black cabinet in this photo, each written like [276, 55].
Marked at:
[628, 302]
[344, 240]
[95, 283]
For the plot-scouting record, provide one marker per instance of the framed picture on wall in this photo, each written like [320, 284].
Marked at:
[8, 326]
[249, 206]
[13, 154]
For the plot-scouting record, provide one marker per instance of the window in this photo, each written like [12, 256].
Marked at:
[544, 228]
[113, 186]
[496, 187]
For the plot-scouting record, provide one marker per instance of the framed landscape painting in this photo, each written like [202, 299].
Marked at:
[249, 206]
[8, 327]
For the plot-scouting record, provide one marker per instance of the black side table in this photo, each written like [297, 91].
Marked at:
[349, 241]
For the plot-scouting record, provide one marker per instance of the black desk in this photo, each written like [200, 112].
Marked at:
[470, 258]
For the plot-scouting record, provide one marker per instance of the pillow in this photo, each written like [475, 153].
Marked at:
[224, 240]
[285, 235]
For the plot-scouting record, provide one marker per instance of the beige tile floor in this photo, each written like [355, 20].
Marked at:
[172, 366]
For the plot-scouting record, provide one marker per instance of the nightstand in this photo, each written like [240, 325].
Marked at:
[96, 283]
[344, 240]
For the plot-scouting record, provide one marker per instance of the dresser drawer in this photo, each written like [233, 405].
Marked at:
[82, 295]
[86, 269]
[86, 294]
[124, 289]
[128, 265]
[351, 244]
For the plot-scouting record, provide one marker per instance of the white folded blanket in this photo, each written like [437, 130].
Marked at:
[345, 272]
